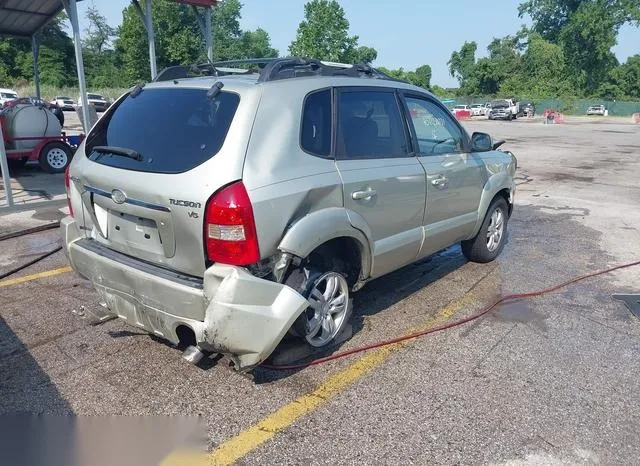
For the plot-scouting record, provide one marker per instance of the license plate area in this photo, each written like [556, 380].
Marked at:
[134, 232]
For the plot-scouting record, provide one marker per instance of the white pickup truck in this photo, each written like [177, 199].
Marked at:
[504, 109]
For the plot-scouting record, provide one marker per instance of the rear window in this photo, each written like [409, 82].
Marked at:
[316, 123]
[94, 96]
[173, 130]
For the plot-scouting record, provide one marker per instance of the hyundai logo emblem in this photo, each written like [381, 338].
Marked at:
[118, 196]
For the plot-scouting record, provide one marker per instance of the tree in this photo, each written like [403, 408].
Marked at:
[180, 41]
[364, 55]
[56, 58]
[550, 17]
[256, 44]
[324, 34]
[624, 81]
[420, 77]
[542, 73]
[586, 30]
[98, 34]
[461, 63]
[101, 62]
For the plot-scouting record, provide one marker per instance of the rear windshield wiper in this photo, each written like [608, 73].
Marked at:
[123, 151]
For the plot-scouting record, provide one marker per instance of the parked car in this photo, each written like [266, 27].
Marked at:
[463, 108]
[7, 95]
[596, 110]
[478, 110]
[528, 109]
[64, 102]
[288, 195]
[98, 101]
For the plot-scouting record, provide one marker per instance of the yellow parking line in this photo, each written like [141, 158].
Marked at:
[239, 446]
[35, 276]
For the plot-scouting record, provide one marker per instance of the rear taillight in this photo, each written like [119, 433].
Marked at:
[67, 186]
[229, 227]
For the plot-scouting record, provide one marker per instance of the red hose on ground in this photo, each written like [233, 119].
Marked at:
[455, 323]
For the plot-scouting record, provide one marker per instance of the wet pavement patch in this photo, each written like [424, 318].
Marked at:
[570, 177]
[632, 301]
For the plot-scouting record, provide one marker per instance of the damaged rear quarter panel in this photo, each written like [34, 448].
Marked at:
[285, 183]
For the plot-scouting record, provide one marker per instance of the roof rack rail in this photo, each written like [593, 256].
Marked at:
[292, 67]
[273, 69]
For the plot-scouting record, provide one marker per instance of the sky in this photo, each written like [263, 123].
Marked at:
[406, 33]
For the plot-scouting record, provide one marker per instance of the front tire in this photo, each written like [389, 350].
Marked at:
[489, 241]
[328, 293]
[54, 157]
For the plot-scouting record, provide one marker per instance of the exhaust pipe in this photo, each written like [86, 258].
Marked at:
[192, 354]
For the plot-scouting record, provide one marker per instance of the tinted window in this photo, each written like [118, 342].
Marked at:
[369, 125]
[94, 96]
[174, 130]
[434, 128]
[316, 123]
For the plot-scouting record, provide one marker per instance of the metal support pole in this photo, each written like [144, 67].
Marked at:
[151, 39]
[4, 166]
[72, 12]
[147, 21]
[204, 24]
[208, 38]
[35, 48]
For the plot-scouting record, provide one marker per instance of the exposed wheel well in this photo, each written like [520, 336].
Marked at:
[186, 336]
[504, 193]
[345, 251]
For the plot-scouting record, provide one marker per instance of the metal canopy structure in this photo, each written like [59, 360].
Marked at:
[24, 19]
[204, 23]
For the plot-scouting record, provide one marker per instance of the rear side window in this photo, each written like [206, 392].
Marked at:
[173, 130]
[315, 135]
[370, 126]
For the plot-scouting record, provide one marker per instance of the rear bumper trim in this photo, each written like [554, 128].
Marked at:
[100, 249]
[230, 311]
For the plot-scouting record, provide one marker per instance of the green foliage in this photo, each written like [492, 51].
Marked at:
[586, 30]
[179, 39]
[101, 63]
[461, 63]
[421, 77]
[441, 91]
[324, 34]
[567, 50]
[623, 81]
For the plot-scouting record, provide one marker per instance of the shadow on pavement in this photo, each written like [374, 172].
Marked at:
[376, 296]
[24, 386]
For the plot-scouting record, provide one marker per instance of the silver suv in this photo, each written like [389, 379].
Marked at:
[226, 211]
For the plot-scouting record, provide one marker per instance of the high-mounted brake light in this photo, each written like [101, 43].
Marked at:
[229, 227]
[67, 186]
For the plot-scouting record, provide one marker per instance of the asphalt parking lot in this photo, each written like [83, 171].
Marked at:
[550, 380]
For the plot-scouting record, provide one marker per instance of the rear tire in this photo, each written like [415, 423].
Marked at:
[55, 157]
[489, 241]
[326, 289]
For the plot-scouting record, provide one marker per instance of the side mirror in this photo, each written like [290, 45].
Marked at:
[481, 142]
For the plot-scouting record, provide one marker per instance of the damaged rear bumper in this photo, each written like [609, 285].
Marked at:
[229, 310]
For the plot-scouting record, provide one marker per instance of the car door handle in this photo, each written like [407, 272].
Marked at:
[439, 181]
[360, 195]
